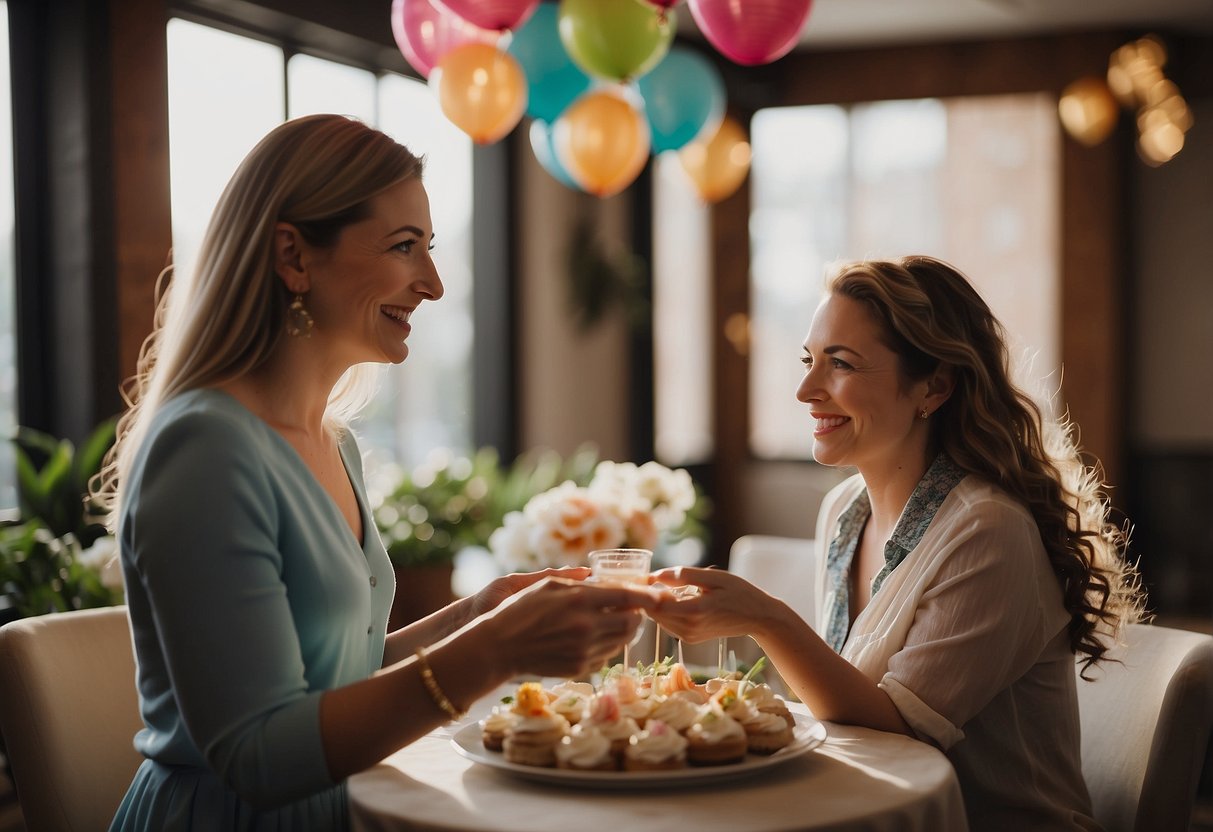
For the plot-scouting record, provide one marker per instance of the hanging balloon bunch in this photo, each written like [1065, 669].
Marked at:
[453, 43]
[599, 79]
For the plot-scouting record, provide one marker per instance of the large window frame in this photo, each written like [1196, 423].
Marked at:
[92, 194]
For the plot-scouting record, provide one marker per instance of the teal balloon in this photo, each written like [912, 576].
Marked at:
[552, 77]
[684, 98]
[545, 153]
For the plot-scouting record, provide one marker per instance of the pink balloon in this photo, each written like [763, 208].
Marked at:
[491, 14]
[751, 32]
[425, 33]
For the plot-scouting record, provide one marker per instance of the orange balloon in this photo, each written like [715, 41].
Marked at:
[718, 165]
[481, 89]
[602, 141]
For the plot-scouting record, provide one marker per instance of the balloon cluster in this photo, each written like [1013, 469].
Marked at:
[599, 78]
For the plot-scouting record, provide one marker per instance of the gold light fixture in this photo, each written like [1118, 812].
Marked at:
[1136, 80]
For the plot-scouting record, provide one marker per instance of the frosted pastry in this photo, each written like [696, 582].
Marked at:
[604, 714]
[657, 748]
[493, 727]
[675, 711]
[585, 749]
[768, 702]
[532, 737]
[715, 738]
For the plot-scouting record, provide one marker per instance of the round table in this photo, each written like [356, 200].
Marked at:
[858, 779]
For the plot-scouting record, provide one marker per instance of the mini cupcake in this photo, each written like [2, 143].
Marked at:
[571, 704]
[679, 682]
[657, 748]
[766, 733]
[585, 749]
[715, 739]
[531, 739]
[604, 714]
[767, 701]
[675, 711]
[493, 727]
[631, 703]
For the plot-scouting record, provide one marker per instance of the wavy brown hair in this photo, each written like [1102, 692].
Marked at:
[223, 318]
[931, 315]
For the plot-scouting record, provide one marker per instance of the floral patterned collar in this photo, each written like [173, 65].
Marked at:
[928, 496]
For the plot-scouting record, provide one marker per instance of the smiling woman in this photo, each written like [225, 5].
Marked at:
[258, 588]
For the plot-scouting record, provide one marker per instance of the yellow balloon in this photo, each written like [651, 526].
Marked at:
[718, 165]
[481, 89]
[602, 141]
[1088, 110]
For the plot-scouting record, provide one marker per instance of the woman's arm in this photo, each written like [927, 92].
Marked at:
[832, 688]
[403, 643]
[552, 628]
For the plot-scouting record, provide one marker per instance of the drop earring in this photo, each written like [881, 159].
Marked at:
[299, 321]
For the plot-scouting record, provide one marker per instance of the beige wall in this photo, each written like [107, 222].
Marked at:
[1172, 308]
[574, 383]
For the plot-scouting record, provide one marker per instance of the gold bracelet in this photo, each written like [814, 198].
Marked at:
[431, 685]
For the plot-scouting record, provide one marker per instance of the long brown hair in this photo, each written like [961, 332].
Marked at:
[931, 315]
[223, 318]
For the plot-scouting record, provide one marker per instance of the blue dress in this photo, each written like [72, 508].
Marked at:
[249, 597]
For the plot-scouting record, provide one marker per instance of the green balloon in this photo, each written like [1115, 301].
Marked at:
[616, 39]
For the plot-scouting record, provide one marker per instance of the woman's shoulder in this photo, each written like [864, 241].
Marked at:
[977, 497]
[204, 414]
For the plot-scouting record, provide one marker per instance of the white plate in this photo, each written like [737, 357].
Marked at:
[808, 734]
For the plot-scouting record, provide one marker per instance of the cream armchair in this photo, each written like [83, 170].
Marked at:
[69, 712]
[1146, 725]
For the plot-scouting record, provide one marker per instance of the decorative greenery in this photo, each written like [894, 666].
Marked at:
[456, 501]
[42, 573]
[45, 563]
[53, 477]
[602, 277]
[453, 501]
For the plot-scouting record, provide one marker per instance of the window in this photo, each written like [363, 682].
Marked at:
[8, 339]
[682, 314]
[424, 403]
[971, 180]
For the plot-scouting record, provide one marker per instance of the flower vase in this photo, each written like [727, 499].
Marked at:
[420, 590]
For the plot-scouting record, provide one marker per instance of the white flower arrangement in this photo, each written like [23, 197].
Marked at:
[624, 505]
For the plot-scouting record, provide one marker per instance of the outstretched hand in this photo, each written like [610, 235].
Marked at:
[726, 605]
[491, 596]
[561, 627]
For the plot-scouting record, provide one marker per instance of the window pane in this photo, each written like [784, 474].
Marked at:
[8, 340]
[315, 85]
[971, 180]
[682, 316]
[225, 93]
[426, 402]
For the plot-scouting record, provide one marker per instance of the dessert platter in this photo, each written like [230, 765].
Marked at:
[659, 729]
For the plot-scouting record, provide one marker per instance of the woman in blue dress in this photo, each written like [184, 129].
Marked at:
[257, 585]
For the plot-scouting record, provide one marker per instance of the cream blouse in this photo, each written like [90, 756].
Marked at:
[967, 636]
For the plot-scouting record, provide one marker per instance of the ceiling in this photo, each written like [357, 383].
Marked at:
[857, 23]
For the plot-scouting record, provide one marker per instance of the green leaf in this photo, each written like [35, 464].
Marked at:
[91, 455]
[29, 486]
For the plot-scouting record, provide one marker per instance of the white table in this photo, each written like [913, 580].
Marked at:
[857, 780]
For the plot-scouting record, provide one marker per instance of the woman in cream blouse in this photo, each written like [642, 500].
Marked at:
[964, 567]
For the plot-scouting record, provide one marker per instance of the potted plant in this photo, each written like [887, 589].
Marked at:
[52, 556]
[451, 502]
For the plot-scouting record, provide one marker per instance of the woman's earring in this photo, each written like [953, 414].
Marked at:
[922, 414]
[299, 321]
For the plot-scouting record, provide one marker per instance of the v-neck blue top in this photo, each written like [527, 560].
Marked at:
[249, 597]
